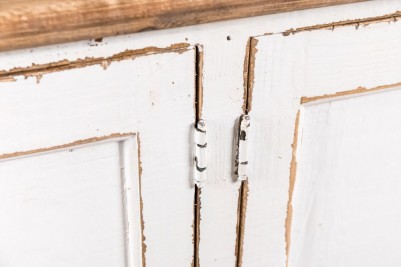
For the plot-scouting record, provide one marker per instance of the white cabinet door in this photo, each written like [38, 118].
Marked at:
[67, 207]
[95, 161]
[324, 174]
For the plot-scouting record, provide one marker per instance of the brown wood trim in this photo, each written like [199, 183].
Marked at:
[27, 23]
[65, 146]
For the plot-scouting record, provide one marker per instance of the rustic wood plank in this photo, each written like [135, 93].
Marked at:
[25, 23]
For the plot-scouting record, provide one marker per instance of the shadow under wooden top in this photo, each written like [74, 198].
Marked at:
[30, 23]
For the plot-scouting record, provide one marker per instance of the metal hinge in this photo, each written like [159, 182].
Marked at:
[200, 158]
[241, 160]
[200, 155]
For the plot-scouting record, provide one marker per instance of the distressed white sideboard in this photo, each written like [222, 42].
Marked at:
[97, 136]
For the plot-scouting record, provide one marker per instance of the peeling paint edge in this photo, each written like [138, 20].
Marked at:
[253, 43]
[38, 70]
[246, 74]
[198, 104]
[78, 143]
[196, 226]
[199, 57]
[392, 17]
[249, 73]
[341, 94]
[293, 174]
[143, 238]
[241, 216]
[8, 79]
[293, 166]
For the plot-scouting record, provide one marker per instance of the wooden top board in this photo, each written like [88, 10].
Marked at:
[30, 23]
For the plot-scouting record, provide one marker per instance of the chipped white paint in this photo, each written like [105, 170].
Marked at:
[120, 99]
[200, 158]
[62, 208]
[140, 96]
[347, 193]
[312, 63]
[129, 165]
[210, 34]
[241, 162]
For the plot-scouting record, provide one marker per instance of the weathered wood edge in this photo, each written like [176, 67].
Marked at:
[26, 23]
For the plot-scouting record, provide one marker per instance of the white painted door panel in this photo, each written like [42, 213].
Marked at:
[348, 184]
[310, 66]
[65, 208]
[150, 96]
[149, 101]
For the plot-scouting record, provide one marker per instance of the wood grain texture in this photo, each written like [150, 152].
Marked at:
[27, 23]
[223, 87]
[153, 96]
[347, 185]
[65, 208]
[287, 68]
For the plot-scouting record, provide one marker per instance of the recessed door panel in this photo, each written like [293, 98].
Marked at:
[69, 207]
[150, 96]
[313, 83]
[348, 183]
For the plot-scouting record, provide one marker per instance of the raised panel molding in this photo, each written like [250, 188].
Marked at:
[77, 205]
[293, 70]
[152, 95]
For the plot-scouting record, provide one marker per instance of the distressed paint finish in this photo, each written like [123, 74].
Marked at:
[223, 54]
[241, 161]
[51, 22]
[130, 167]
[200, 159]
[288, 67]
[65, 206]
[148, 95]
[347, 190]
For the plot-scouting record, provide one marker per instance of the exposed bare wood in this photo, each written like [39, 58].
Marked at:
[198, 116]
[27, 23]
[197, 207]
[359, 90]
[242, 205]
[131, 90]
[38, 70]
[250, 73]
[354, 22]
[64, 146]
[277, 98]
[293, 175]
[199, 82]
[143, 237]
[246, 74]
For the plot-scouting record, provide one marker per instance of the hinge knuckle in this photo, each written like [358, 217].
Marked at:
[200, 157]
[241, 163]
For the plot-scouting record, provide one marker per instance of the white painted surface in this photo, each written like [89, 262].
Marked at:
[63, 208]
[152, 95]
[243, 141]
[200, 158]
[309, 64]
[210, 34]
[129, 171]
[223, 100]
[348, 188]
